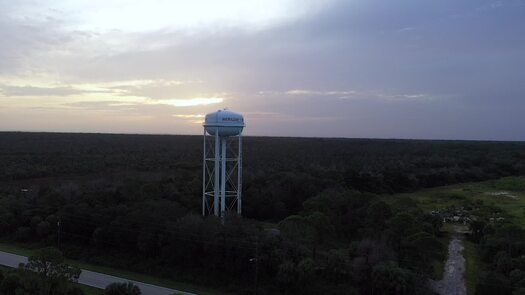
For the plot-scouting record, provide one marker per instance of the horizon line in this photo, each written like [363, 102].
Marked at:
[268, 136]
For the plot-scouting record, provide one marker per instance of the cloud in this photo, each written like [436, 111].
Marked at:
[348, 94]
[101, 105]
[188, 102]
[379, 68]
[122, 89]
[192, 116]
[38, 91]
[255, 117]
[138, 105]
[340, 94]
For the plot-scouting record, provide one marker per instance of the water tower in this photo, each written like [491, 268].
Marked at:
[222, 163]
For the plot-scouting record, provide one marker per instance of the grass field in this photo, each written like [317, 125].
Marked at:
[506, 193]
[473, 266]
[28, 251]
[439, 266]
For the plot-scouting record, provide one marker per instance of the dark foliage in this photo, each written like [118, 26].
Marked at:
[122, 289]
[279, 173]
[502, 248]
[44, 274]
[129, 201]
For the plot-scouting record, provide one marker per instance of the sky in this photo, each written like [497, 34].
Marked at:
[426, 69]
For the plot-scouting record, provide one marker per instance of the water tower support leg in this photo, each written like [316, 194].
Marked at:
[217, 175]
[239, 177]
[223, 177]
[204, 169]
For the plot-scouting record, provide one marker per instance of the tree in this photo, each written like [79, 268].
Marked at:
[377, 214]
[423, 248]
[43, 229]
[320, 227]
[10, 284]
[516, 275]
[403, 225]
[75, 290]
[435, 222]
[490, 283]
[477, 227]
[23, 234]
[388, 278]
[502, 262]
[306, 271]
[21, 282]
[49, 264]
[297, 228]
[337, 265]
[122, 289]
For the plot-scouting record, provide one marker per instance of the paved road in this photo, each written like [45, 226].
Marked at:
[95, 279]
[453, 282]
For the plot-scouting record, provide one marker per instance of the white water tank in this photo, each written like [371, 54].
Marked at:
[228, 123]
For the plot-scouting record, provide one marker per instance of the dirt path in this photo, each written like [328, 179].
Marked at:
[453, 282]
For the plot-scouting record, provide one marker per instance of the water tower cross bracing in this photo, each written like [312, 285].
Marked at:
[222, 163]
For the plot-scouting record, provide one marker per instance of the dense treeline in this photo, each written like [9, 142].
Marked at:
[342, 242]
[501, 243]
[132, 201]
[279, 173]
[503, 251]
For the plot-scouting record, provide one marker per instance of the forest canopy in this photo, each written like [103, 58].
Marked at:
[312, 219]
